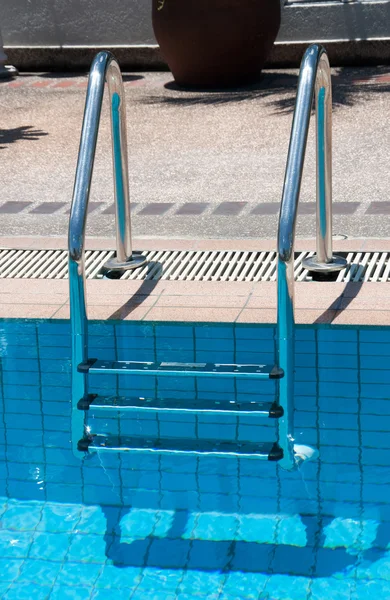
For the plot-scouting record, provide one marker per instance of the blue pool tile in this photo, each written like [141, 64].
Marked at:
[75, 574]
[287, 586]
[25, 490]
[245, 586]
[344, 390]
[341, 454]
[9, 569]
[31, 407]
[374, 362]
[63, 593]
[22, 392]
[54, 394]
[374, 349]
[174, 483]
[100, 329]
[22, 327]
[59, 517]
[134, 330]
[337, 347]
[215, 331]
[21, 516]
[15, 544]
[375, 439]
[19, 352]
[109, 594]
[127, 552]
[57, 492]
[337, 375]
[53, 328]
[337, 405]
[19, 365]
[371, 423]
[25, 454]
[117, 578]
[102, 495]
[54, 364]
[139, 524]
[248, 345]
[179, 500]
[377, 335]
[181, 344]
[374, 376]
[93, 519]
[375, 406]
[167, 553]
[54, 341]
[329, 362]
[259, 529]
[211, 527]
[40, 572]
[346, 437]
[140, 595]
[49, 545]
[87, 549]
[223, 503]
[200, 584]
[154, 580]
[173, 331]
[337, 491]
[254, 333]
[337, 335]
[336, 508]
[136, 343]
[305, 347]
[214, 345]
[219, 484]
[62, 474]
[21, 378]
[367, 590]
[327, 587]
[374, 390]
[27, 591]
[177, 429]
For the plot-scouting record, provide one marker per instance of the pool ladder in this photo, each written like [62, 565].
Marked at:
[314, 80]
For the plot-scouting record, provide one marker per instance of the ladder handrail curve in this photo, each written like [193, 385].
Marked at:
[314, 77]
[105, 68]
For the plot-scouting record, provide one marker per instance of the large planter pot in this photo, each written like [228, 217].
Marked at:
[215, 43]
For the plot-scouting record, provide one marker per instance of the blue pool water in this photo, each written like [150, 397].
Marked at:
[177, 528]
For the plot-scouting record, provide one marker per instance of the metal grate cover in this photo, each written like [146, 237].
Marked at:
[188, 265]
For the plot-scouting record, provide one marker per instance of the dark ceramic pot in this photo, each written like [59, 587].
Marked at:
[215, 43]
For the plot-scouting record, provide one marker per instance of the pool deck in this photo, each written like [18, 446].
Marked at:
[232, 302]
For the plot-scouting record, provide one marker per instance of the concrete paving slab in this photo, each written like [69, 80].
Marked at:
[224, 151]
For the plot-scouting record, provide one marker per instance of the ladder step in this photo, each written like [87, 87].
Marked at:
[173, 405]
[259, 450]
[94, 366]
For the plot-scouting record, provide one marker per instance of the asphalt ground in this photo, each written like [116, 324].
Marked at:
[202, 164]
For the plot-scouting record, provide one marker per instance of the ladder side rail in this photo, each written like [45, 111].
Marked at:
[104, 68]
[314, 80]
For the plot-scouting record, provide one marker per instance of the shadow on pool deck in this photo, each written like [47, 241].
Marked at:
[25, 132]
[346, 88]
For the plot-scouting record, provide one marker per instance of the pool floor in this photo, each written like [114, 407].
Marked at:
[126, 526]
[54, 551]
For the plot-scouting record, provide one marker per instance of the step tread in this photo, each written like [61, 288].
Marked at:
[176, 369]
[258, 450]
[124, 403]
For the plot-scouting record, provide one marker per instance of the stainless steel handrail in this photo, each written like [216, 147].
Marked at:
[315, 77]
[104, 68]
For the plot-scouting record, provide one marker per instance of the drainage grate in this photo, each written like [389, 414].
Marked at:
[184, 265]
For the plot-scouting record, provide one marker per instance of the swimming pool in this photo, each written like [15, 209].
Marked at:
[166, 527]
